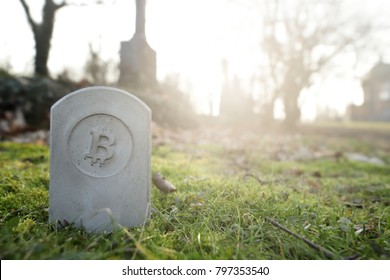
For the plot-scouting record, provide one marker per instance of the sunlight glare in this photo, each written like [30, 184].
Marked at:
[191, 39]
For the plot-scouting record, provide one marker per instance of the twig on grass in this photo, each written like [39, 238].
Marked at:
[260, 181]
[326, 252]
[263, 182]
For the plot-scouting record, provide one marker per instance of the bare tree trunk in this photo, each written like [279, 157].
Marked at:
[291, 108]
[297, 78]
[42, 34]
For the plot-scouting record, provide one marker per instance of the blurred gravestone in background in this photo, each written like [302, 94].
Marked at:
[376, 86]
[137, 58]
[138, 65]
[236, 105]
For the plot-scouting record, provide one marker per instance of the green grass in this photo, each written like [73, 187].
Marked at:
[374, 126]
[225, 193]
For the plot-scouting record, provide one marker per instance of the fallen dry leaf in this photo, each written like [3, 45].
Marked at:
[162, 184]
[365, 228]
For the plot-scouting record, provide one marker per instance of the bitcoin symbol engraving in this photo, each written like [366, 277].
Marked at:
[101, 146]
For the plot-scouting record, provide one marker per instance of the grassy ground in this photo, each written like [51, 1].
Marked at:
[230, 185]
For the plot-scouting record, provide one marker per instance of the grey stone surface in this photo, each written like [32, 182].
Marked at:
[137, 59]
[100, 150]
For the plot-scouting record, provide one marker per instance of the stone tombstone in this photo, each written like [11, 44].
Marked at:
[137, 59]
[100, 153]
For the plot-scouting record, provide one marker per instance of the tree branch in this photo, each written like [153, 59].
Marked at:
[96, 2]
[59, 6]
[26, 8]
[326, 252]
[313, 245]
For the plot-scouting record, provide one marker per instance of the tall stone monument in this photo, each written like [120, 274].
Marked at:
[100, 154]
[137, 59]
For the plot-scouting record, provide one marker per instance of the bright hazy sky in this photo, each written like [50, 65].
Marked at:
[191, 38]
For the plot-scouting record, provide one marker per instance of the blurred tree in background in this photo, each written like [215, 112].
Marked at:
[43, 32]
[299, 39]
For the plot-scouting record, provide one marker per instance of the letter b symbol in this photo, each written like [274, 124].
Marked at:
[101, 146]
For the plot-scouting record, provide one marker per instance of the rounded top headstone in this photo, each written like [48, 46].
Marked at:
[100, 149]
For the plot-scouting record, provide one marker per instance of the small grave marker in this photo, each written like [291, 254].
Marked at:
[100, 149]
